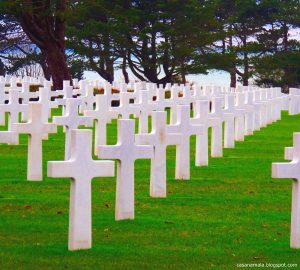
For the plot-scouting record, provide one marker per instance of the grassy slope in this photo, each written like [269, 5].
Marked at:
[230, 212]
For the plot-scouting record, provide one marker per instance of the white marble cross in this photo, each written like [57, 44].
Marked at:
[240, 119]
[67, 93]
[174, 102]
[294, 101]
[3, 98]
[217, 130]
[292, 170]
[36, 128]
[160, 99]
[249, 116]
[185, 128]
[125, 110]
[201, 116]
[81, 168]
[160, 139]
[265, 108]
[45, 100]
[88, 100]
[13, 108]
[257, 110]
[145, 108]
[229, 115]
[103, 114]
[71, 120]
[125, 152]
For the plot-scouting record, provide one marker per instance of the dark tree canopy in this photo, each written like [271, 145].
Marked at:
[159, 41]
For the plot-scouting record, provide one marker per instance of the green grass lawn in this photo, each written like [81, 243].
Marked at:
[229, 212]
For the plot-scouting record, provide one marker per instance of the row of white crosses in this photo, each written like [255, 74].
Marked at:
[80, 235]
[80, 167]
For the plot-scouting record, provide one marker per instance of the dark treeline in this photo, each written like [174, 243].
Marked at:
[158, 41]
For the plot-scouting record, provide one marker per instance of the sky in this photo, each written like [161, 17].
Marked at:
[213, 78]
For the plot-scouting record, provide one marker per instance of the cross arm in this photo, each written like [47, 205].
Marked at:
[104, 168]
[109, 151]
[144, 151]
[60, 120]
[286, 170]
[9, 137]
[23, 128]
[146, 139]
[173, 139]
[288, 153]
[60, 169]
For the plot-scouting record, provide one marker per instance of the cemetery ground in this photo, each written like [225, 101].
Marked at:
[228, 213]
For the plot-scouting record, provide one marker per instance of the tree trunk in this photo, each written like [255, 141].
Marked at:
[56, 61]
[124, 71]
[245, 81]
[286, 68]
[45, 68]
[232, 78]
[44, 24]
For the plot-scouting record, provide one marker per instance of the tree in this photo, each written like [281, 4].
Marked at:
[43, 22]
[279, 62]
[90, 34]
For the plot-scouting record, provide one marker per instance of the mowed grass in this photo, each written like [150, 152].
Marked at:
[228, 213]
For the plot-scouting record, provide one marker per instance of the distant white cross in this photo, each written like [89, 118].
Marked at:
[36, 128]
[13, 108]
[185, 128]
[125, 152]
[160, 139]
[146, 109]
[71, 120]
[103, 114]
[201, 116]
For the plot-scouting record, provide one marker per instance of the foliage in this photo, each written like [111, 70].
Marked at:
[159, 41]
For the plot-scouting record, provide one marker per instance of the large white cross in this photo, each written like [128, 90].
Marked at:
[81, 168]
[71, 120]
[185, 128]
[103, 114]
[125, 152]
[292, 170]
[160, 139]
[36, 128]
